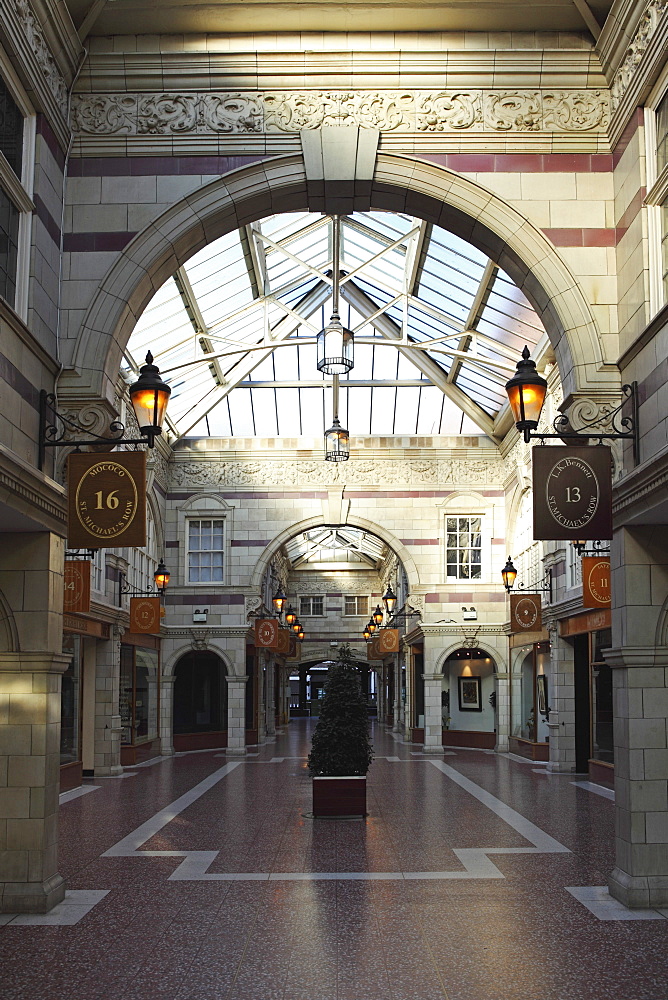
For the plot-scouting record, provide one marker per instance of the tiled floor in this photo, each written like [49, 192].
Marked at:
[473, 878]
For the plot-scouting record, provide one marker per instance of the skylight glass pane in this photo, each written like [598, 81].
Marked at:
[406, 416]
[264, 412]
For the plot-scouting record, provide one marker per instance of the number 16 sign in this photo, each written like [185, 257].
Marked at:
[106, 500]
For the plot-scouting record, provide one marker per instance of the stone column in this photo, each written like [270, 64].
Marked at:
[107, 717]
[396, 728]
[167, 715]
[502, 712]
[303, 703]
[30, 752]
[640, 700]
[561, 722]
[433, 721]
[270, 706]
[236, 715]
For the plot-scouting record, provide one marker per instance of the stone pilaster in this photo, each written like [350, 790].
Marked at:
[502, 712]
[167, 715]
[30, 776]
[107, 751]
[561, 722]
[396, 728]
[640, 706]
[433, 721]
[270, 707]
[236, 715]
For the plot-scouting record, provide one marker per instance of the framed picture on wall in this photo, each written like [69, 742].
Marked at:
[541, 684]
[470, 694]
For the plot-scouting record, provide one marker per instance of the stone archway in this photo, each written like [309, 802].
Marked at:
[400, 183]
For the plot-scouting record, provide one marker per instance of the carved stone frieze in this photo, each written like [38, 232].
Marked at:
[399, 473]
[647, 26]
[294, 111]
[40, 49]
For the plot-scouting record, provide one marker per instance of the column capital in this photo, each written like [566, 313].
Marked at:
[34, 663]
[637, 656]
[432, 677]
[232, 678]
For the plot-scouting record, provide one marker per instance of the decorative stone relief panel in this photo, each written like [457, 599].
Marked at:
[647, 27]
[389, 111]
[439, 472]
[38, 45]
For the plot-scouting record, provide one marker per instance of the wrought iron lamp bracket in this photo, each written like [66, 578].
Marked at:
[622, 427]
[544, 586]
[56, 430]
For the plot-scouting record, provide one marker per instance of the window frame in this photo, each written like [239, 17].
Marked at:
[202, 516]
[312, 597]
[356, 598]
[19, 190]
[469, 517]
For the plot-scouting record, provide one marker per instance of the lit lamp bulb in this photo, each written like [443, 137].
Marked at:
[526, 395]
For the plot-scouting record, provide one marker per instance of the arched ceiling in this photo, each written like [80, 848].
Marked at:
[438, 328]
[111, 17]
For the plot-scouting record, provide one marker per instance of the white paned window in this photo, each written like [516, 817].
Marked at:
[205, 550]
[573, 567]
[463, 548]
[311, 606]
[17, 145]
[656, 142]
[356, 604]
[97, 571]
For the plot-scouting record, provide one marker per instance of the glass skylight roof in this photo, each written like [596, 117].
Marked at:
[438, 330]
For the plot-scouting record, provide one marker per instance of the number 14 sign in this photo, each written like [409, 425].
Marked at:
[106, 500]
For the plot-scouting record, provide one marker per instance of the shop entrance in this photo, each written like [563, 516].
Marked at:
[200, 701]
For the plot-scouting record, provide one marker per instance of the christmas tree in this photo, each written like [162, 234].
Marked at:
[341, 744]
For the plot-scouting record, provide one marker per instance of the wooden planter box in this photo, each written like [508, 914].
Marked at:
[339, 796]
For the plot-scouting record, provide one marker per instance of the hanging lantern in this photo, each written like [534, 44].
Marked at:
[337, 443]
[389, 600]
[296, 626]
[335, 344]
[366, 634]
[509, 575]
[278, 600]
[149, 396]
[161, 576]
[526, 394]
[377, 615]
[290, 616]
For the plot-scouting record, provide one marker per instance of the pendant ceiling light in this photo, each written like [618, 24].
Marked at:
[335, 344]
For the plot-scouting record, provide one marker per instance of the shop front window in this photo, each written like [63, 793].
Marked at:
[523, 710]
[139, 694]
[602, 743]
[70, 702]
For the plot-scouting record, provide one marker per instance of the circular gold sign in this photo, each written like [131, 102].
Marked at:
[145, 614]
[106, 500]
[599, 581]
[572, 491]
[526, 612]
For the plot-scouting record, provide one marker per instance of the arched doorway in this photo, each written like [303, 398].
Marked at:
[469, 699]
[200, 701]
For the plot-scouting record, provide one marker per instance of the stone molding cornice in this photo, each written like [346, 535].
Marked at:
[260, 68]
[179, 113]
[32, 493]
[637, 656]
[218, 632]
[638, 492]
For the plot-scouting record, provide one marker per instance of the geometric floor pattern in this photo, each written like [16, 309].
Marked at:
[472, 878]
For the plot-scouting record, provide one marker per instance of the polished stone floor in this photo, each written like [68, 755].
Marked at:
[200, 877]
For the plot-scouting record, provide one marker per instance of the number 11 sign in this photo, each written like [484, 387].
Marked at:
[106, 500]
[572, 492]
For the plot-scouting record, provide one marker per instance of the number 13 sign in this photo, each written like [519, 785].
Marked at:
[106, 500]
[572, 492]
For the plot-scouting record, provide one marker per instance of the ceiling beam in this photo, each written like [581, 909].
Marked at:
[588, 17]
[475, 312]
[255, 261]
[191, 306]
[242, 369]
[436, 375]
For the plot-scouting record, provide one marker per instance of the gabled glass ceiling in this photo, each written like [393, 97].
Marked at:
[351, 547]
[438, 330]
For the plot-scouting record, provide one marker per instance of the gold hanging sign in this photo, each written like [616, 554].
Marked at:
[525, 613]
[145, 615]
[106, 500]
[284, 643]
[266, 633]
[76, 592]
[595, 582]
